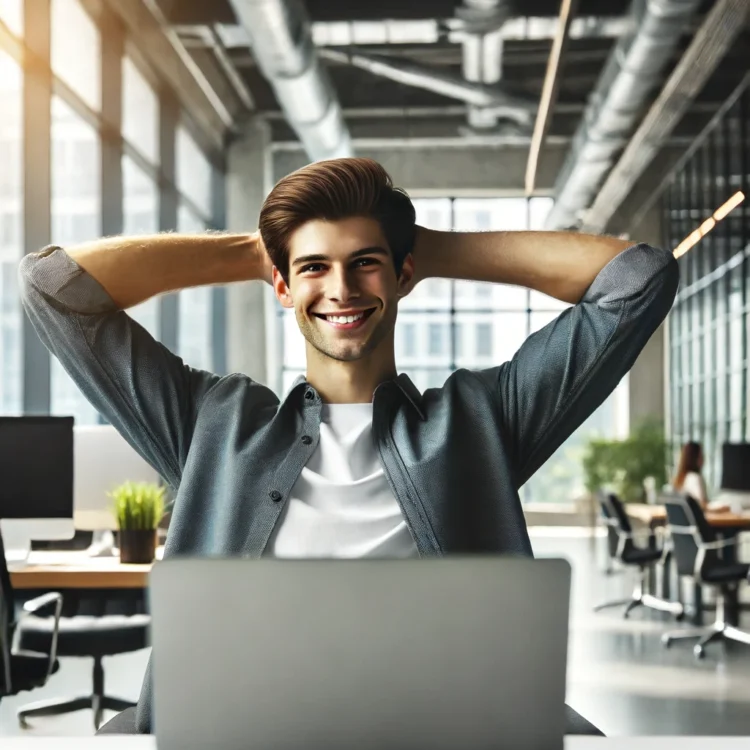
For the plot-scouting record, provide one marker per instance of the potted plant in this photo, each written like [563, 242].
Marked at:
[138, 509]
[624, 465]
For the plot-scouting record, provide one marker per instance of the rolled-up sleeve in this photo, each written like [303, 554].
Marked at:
[564, 371]
[148, 394]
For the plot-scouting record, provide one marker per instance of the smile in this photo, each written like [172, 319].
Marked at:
[347, 322]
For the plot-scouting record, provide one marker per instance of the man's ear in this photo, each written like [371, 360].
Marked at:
[408, 278]
[283, 294]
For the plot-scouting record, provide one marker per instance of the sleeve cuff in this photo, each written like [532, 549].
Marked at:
[56, 275]
[631, 272]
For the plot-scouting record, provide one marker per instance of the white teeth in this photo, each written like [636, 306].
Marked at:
[344, 318]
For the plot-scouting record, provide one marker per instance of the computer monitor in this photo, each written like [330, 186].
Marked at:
[735, 476]
[103, 461]
[36, 481]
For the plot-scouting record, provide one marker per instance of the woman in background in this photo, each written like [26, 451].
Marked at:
[689, 478]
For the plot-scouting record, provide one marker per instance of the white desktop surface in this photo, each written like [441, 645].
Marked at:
[148, 742]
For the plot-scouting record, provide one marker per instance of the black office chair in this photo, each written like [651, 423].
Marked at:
[39, 639]
[621, 538]
[696, 552]
[22, 669]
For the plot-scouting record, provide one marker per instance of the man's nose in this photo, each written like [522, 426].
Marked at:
[342, 287]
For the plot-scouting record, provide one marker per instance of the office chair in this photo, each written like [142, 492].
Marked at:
[39, 639]
[621, 538]
[24, 670]
[696, 551]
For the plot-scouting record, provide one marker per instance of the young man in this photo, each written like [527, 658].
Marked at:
[354, 461]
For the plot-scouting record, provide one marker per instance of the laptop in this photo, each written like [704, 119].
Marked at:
[454, 653]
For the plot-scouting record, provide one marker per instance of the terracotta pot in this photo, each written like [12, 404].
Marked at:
[137, 545]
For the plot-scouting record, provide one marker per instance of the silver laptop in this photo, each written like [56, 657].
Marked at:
[457, 653]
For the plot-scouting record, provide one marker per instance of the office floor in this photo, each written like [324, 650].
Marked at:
[619, 675]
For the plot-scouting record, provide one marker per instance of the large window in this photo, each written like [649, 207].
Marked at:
[193, 172]
[140, 112]
[194, 343]
[154, 196]
[709, 323]
[76, 217]
[76, 50]
[11, 218]
[141, 216]
[444, 325]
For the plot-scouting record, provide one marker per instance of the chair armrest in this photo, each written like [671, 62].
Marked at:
[36, 605]
[719, 543]
[33, 607]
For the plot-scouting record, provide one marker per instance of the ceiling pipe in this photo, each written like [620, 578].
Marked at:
[411, 74]
[723, 23]
[632, 72]
[279, 32]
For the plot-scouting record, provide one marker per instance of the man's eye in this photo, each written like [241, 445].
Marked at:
[311, 267]
[366, 261]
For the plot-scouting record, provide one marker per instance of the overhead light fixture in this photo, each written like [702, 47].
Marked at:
[698, 234]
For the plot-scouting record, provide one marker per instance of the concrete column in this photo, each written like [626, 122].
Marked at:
[648, 376]
[248, 182]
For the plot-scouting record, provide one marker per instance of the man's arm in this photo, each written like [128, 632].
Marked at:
[134, 269]
[560, 264]
[75, 302]
[620, 292]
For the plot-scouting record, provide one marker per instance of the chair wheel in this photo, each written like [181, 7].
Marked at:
[22, 722]
[699, 652]
[666, 641]
[679, 617]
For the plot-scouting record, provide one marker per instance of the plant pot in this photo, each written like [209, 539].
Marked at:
[137, 545]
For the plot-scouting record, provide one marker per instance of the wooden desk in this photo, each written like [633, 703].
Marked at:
[656, 515]
[76, 570]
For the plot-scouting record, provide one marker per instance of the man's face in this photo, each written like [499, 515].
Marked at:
[343, 286]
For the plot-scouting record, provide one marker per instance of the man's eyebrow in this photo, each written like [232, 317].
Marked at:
[375, 250]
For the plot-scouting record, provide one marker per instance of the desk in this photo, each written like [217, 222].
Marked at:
[76, 570]
[725, 524]
[656, 515]
[148, 742]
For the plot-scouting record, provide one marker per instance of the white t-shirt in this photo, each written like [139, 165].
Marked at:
[341, 505]
[694, 486]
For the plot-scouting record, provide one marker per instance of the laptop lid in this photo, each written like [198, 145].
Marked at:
[456, 652]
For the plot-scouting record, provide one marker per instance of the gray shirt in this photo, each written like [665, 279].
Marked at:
[454, 457]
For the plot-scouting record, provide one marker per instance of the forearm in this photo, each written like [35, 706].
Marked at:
[560, 264]
[134, 269]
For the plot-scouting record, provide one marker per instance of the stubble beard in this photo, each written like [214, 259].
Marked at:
[341, 350]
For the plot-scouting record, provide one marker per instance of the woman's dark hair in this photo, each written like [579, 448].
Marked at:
[689, 456]
[332, 190]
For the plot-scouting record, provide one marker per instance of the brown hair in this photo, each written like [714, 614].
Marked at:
[332, 190]
[688, 462]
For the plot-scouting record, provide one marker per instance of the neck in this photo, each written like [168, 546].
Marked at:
[349, 382]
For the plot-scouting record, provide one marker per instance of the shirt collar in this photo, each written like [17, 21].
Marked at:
[403, 381]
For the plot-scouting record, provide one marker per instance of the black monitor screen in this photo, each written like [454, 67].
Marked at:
[735, 474]
[36, 467]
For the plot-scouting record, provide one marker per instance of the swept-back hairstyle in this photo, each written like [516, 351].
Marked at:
[332, 190]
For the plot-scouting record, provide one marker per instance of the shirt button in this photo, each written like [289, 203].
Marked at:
[275, 495]
[309, 395]
[306, 439]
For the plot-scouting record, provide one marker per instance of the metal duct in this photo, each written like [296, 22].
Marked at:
[723, 23]
[482, 51]
[629, 76]
[279, 32]
[513, 107]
